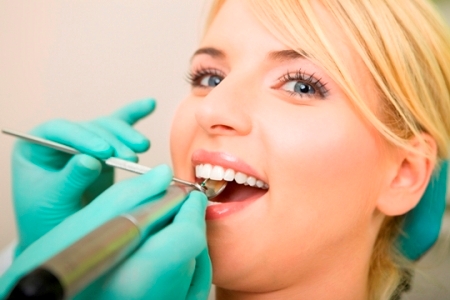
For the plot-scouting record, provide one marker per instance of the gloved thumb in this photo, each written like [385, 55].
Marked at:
[80, 172]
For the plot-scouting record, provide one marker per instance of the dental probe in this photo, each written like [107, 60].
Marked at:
[210, 188]
[72, 269]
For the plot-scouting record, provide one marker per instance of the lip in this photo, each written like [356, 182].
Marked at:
[225, 160]
[222, 210]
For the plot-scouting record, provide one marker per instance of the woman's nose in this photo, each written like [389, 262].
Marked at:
[226, 110]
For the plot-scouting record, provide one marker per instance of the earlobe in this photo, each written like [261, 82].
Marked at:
[413, 170]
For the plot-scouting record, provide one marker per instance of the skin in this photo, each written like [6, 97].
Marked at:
[311, 235]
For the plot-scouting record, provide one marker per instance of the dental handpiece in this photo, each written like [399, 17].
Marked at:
[71, 270]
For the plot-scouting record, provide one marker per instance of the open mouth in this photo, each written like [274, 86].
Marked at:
[240, 187]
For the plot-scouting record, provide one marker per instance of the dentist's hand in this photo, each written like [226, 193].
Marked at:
[49, 185]
[172, 264]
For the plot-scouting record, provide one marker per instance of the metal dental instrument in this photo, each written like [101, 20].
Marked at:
[210, 188]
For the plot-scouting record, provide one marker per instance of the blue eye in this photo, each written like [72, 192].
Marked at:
[299, 88]
[210, 80]
[205, 78]
[301, 84]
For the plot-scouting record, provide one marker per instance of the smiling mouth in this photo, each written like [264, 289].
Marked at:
[240, 187]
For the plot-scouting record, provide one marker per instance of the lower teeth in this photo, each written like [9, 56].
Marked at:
[211, 203]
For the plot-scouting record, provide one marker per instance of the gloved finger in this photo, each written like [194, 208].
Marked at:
[202, 279]
[101, 184]
[192, 213]
[135, 111]
[79, 173]
[72, 135]
[181, 241]
[125, 133]
[120, 149]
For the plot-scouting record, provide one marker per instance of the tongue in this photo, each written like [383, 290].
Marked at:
[237, 192]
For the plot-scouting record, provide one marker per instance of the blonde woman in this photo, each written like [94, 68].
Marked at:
[342, 108]
[329, 118]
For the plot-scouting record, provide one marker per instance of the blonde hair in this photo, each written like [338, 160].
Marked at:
[405, 46]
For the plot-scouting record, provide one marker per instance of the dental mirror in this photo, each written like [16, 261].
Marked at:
[212, 188]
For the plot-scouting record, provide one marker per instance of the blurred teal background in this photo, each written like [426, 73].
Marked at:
[432, 277]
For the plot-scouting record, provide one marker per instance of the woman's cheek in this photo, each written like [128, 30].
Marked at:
[182, 133]
[330, 157]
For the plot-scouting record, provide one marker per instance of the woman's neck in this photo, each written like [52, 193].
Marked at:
[348, 283]
[341, 274]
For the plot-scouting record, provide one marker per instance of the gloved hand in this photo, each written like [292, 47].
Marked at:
[49, 185]
[172, 264]
[423, 223]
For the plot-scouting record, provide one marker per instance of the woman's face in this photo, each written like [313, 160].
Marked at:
[265, 112]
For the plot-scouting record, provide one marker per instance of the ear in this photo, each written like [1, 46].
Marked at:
[411, 173]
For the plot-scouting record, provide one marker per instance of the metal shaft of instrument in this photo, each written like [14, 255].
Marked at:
[112, 161]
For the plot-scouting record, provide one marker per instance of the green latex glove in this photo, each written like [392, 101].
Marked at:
[423, 223]
[49, 185]
[171, 264]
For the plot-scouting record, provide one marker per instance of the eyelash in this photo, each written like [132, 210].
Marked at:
[194, 78]
[303, 77]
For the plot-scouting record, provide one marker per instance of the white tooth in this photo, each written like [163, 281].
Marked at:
[266, 186]
[206, 171]
[229, 175]
[210, 203]
[259, 183]
[217, 173]
[251, 181]
[198, 170]
[240, 178]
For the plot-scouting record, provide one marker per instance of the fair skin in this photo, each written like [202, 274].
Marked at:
[310, 235]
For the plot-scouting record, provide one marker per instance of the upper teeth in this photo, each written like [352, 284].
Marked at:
[208, 171]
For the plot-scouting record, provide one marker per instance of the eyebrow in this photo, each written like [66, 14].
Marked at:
[281, 55]
[213, 52]
[287, 55]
